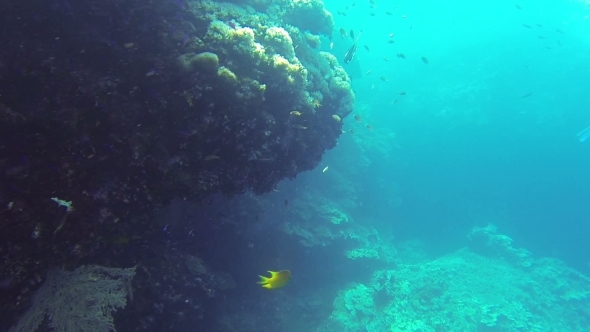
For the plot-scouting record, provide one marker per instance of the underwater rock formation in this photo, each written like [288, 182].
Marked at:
[318, 221]
[465, 291]
[111, 109]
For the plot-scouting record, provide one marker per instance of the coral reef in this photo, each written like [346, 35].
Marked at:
[488, 242]
[465, 291]
[319, 221]
[119, 108]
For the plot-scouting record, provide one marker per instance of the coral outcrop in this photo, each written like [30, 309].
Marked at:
[319, 221]
[466, 291]
[120, 107]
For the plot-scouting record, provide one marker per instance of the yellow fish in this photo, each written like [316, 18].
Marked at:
[276, 280]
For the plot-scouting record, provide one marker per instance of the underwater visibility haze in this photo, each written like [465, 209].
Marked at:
[294, 165]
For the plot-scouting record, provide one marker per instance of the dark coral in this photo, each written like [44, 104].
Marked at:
[95, 109]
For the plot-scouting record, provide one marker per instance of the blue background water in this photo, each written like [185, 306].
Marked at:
[463, 147]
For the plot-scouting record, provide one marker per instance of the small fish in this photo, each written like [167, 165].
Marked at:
[296, 113]
[336, 117]
[404, 16]
[539, 25]
[385, 59]
[351, 34]
[331, 45]
[403, 93]
[128, 45]
[559, 31]
[369, 127]
[352, 50]
[517, 6]
[391, 41]
[358, 118]
[276, 279]
[393, 102]
[584, 135]
[211, 157]
[527, 26]
[342, 33]
[367, 48]
[383, 78]
[369, 71]
[391, 35]
[325, 169]
[526, 95]
[388, 13]
[299, 127]
[401, 56]
[425, 60]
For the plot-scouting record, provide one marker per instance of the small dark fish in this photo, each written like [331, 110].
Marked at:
[425, 60]
[403, 93]
[401, 55]
[367, 48]
[559, 31]
[351, 33]
[527, 26]
[388, 13]
[540, 26]
[526, 95]
[517, 6]
[286, 202]
[541, 37]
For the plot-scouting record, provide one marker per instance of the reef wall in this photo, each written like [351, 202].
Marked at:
[111, 109]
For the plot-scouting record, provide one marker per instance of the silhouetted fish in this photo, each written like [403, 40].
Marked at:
[352, 50]
[526, 95]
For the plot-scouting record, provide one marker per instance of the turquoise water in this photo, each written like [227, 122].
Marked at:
[487, 129]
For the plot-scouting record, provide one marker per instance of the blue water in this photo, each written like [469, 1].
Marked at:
[487, 129]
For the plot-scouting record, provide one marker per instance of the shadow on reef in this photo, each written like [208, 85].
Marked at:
[112, 109]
